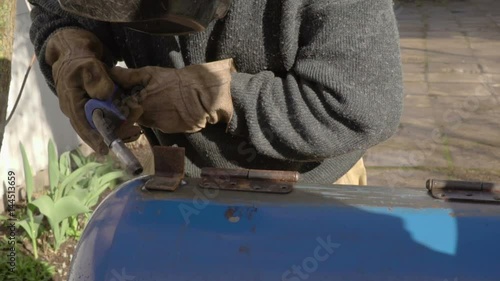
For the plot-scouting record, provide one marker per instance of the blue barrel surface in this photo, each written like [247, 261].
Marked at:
[314, 233]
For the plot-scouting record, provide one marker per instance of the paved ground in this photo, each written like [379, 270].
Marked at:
[451, 123]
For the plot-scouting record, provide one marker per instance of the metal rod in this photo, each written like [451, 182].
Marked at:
[106, 128]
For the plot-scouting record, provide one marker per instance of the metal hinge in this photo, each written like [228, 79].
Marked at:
[169, 168]
[464, 190]
[267, 181]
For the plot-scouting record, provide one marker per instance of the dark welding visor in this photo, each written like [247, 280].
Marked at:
[168, 17]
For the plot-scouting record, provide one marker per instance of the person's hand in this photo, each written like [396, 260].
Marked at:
[79, 75]
[179, 100]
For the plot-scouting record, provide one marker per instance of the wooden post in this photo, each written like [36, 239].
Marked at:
[7, 26]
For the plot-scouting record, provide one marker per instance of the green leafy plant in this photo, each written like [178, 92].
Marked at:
[81, 160]
[57, 213]
[31, 223]
[87, 183]
[60, 204]
[72, 193]
[90, 188]
[75, 228]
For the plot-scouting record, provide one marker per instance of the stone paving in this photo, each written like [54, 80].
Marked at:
[450, 128]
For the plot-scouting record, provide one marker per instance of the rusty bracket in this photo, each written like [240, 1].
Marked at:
[464, 190]
[169, 168]
[266, 181]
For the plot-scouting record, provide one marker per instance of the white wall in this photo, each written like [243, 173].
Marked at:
[37, 117]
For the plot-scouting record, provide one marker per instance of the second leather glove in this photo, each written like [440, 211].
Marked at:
[180, 100]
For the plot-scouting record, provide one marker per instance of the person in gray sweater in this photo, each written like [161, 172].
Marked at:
[299, 85]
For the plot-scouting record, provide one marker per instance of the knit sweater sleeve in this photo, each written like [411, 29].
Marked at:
[48, 17]
[343, 92]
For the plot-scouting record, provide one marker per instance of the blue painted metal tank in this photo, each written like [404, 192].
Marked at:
[313, 233]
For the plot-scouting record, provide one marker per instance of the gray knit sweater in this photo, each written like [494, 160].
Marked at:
[318, 82]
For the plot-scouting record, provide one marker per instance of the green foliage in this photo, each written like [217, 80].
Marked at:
[53, 169]
[27, 268]
[89, 189]
[58, 212]
[72, 194]
[74, 229]
[31, 223]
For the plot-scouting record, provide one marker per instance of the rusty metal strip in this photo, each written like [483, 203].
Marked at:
[265, 181]
[464, 190]
[169, 168]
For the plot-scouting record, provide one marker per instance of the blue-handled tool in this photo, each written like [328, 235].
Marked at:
[106, 105]
[105, 117]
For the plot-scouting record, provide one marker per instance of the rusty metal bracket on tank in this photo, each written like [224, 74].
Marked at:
[464, 190]
[266, 181]
[169, 168]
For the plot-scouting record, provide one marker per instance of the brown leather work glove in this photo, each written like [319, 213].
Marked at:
[79, 75]
[180, 100]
